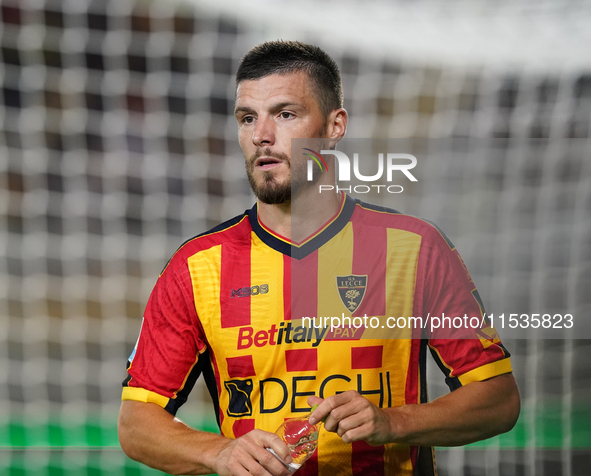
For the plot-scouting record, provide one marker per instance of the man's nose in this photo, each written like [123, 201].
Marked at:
[264, 132]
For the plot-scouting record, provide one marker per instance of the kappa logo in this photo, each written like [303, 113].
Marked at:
[352, 290]
[250, 291]
[239, 392]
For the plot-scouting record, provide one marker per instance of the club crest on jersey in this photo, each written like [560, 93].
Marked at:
[352, 290]
[239, 392]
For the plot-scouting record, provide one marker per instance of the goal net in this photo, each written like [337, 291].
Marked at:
[118, 142]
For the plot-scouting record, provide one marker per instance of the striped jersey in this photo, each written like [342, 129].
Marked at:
[246, 309]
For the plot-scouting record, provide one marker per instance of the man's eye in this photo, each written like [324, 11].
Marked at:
[248, 119]
[286, 115]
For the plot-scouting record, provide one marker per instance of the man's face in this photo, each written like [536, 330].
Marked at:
[270, 112]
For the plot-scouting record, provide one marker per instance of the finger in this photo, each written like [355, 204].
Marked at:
[271, 440]
[354, 434]
[254, 467]
[342, 398]
[269, 464]
[355, 411]
[364, 432]
[257, 459]
[323, 413]
[325, 407]
[314, 400]
[335, 401]
[336, 416]
[242, 463]
[354, 414]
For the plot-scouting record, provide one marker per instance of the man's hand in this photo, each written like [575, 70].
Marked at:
[471, 413]
[353, 418]
[247, 455]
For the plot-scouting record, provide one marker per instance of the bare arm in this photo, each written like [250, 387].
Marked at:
[149, 434]
[474, 412]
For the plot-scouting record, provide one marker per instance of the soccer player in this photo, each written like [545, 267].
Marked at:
[224, 308]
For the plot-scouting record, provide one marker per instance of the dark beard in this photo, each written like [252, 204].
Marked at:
[270, 191]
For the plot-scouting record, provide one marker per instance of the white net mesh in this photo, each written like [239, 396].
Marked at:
[118, 143]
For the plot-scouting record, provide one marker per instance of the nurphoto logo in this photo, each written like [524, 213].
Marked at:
[389, 162]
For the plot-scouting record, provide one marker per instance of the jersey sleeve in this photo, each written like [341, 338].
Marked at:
[166, 360]
[464, 345]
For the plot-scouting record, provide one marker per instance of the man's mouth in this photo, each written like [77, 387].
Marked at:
[265, 163]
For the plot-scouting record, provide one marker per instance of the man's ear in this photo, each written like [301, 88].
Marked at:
[336, 125]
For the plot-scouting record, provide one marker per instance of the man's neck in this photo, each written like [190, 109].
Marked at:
[302, 217]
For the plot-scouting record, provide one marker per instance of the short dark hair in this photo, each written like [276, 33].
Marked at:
[285, 57]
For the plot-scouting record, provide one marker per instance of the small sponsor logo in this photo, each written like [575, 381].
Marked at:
[239, 392]
[275, 394]
[250, 291]
[288, 333]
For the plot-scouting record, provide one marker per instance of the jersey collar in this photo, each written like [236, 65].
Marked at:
[300, 250]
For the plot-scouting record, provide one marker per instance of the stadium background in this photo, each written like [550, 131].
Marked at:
[118, 142]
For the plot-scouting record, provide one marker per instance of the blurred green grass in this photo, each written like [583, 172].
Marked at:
[65, 446]
[548, 420]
